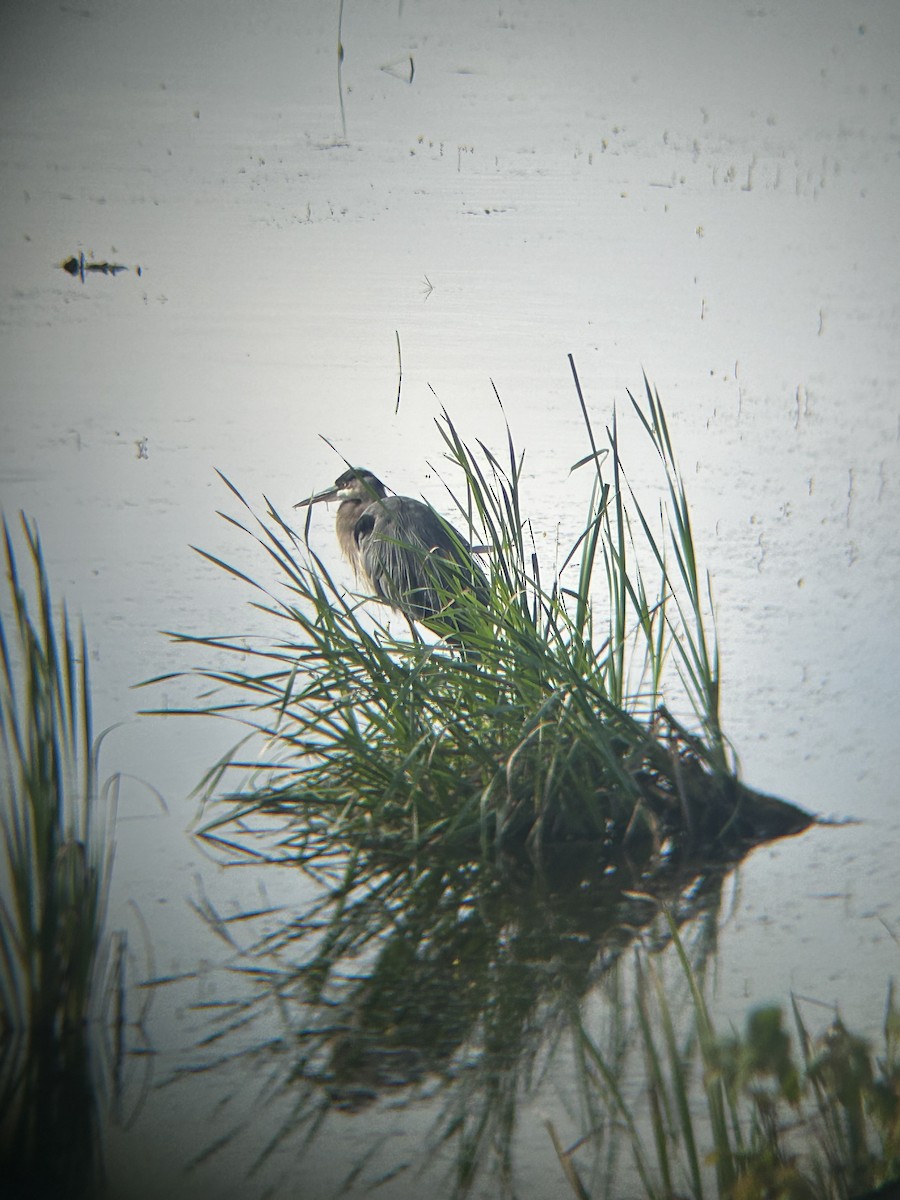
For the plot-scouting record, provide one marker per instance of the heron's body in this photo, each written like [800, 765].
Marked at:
[409, 556]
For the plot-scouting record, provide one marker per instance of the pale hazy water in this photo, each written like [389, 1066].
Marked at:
[709, 195]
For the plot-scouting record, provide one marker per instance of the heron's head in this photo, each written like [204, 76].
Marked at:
[357, 485]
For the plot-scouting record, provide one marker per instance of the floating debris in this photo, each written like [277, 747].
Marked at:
[403, 69]
[77, 265]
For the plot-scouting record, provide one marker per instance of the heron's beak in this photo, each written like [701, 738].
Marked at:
[329, 494]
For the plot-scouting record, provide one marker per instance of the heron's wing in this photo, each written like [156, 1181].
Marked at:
[414, 559]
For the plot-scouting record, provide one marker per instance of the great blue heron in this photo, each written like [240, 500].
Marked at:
[408, 555]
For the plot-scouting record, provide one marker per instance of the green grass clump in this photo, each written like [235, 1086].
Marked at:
[55, 963]
[552, 725]
[56, 820]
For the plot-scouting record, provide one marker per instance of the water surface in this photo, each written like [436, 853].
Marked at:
[708, 196]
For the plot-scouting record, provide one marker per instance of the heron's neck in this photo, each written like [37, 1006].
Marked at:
[348, 514]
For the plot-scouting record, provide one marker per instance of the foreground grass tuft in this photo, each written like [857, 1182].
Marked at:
[56, 820]
[56, 967]
[803, 1118]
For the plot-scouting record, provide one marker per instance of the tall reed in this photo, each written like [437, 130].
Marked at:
[57, 821]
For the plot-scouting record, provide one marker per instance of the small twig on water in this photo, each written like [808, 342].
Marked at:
[340, 64]
[399, 372]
